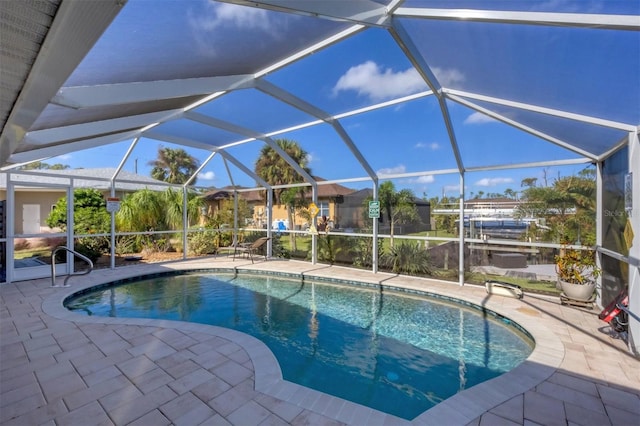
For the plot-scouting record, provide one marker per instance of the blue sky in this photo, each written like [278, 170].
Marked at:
[404, 138]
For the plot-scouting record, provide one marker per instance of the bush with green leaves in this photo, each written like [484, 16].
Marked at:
[334, 248]
[89, 249]
[407, 258]
[362, 251]
[278, 249]
[126, 244]
[90, 216]
[202, 242]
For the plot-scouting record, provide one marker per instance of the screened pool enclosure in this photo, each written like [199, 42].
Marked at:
[470, 107]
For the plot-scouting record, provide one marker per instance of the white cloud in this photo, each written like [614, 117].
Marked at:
[478, 118]
[433, 146]
[425, 179]
[493, 181]
[226, 14]
[64, 157]
[311, 157]
[371, 80]
[392, 170]
[448, 77]
[205, 25]
[207, 176]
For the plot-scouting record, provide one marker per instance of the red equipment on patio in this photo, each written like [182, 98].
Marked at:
[614, 315]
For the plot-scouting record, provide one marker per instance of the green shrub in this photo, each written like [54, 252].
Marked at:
[91, 252]
[362, 251]
[407, 258]
[94, 244]
[126, 244]
[332, 248]
[202, 242]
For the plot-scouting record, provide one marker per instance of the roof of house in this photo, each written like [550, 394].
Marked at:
[227, 192]
[98, 178]
[324, 191]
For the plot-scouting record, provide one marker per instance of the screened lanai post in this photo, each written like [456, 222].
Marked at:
[235, 218]
[269, 219]
[112, 251]
[634, 250]
[461, 234]
[374, 243]
[70, 227]
[599, 225]
[113, 194]
[185, 222]
[314, 236]
[11, 230]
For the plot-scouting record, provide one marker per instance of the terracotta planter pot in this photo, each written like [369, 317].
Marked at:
[582, 292]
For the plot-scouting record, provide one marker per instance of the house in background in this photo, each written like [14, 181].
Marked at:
[344, 207]
[37, 191]
[354, 215]
[35, 195]
[330, 197]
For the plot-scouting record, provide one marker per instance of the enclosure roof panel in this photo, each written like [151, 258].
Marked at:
[376, 88]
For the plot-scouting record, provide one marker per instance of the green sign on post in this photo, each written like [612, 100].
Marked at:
[374, 209]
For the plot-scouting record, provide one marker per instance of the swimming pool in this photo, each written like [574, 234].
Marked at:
[399, 353]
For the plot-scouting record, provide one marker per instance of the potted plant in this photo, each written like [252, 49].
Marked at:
[577, 273]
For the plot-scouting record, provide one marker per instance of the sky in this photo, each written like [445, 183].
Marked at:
[544, 66]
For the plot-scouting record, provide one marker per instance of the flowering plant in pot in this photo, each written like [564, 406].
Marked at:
[577, 273]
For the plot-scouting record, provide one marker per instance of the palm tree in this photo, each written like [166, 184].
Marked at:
[141, 211]
[273, 169]
[173, 165]
[173, 201]
[399, 206]
[568, 206]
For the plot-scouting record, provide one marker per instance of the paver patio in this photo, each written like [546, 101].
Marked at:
[61, 368]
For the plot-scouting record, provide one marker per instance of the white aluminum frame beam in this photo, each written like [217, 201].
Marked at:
[75, 29]
[405, 42]
[96, 128]
[126, 93]
[311, 50]
[360, 11]
[66, 147]
[302, 105]
[195, 144]
[230, 127]
[527, 129]
[580, 20]
[456, 94]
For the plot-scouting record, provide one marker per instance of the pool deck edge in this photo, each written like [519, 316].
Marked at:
[548, 359]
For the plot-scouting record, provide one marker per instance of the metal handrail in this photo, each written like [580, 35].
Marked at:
[75, 253]
[625, 309]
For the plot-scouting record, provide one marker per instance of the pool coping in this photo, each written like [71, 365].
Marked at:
[461, 408]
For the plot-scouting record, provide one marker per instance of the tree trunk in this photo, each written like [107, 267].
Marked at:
[292, 236]
[391, 223]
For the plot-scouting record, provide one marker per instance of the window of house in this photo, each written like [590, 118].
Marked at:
[324, 208]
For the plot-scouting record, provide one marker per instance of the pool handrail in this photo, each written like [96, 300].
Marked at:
[75, 253]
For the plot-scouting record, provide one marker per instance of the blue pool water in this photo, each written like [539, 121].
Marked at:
[395, 352]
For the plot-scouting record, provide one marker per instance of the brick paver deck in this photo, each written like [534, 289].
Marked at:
[60, 368]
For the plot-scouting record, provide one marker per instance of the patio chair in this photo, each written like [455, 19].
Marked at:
[250, 248]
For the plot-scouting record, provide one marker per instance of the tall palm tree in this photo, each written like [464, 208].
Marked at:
[399, 206]
[140, 211]
[174, 206]
[173, 165]
[273, 169]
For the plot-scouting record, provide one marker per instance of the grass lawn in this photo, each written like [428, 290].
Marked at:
[36, 252]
